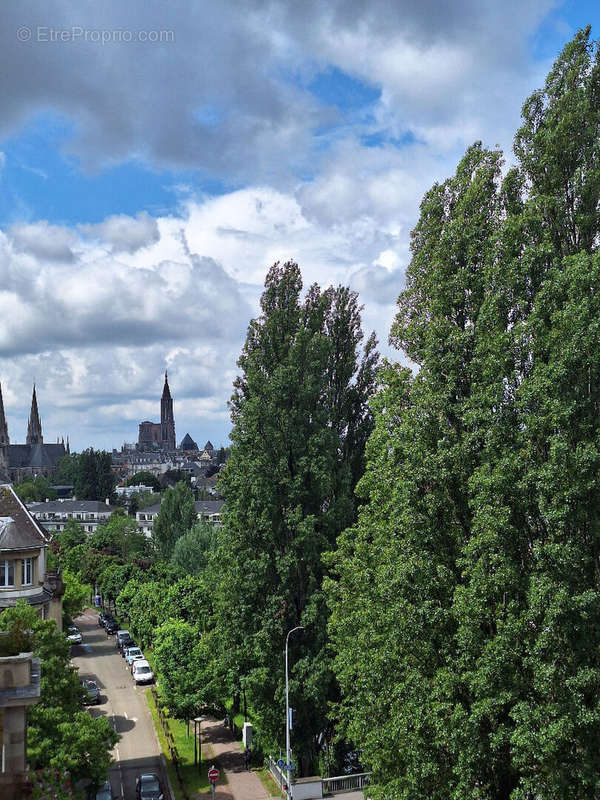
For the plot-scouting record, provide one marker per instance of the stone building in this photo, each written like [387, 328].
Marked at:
[35, 457]
[159, 435]
[19, 689]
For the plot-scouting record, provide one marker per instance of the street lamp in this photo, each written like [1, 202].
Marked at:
[287, 710]
[198, 742]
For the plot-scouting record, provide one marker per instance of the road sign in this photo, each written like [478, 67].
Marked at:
[281, 763]
[213, 774]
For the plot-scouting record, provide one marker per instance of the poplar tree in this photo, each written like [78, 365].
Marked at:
[472, 577]
[300, 421]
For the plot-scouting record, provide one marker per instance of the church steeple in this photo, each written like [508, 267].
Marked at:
[167, 421]
[4, 440]
[34, 426]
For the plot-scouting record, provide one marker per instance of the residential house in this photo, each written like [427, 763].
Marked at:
[208, 510]
[54, 514]
[23, 566]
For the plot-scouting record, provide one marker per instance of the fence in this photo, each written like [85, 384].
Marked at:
[170, 743]
[346, 783]
[338, 785]
[278, 774]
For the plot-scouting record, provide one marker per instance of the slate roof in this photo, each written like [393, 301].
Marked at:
[209, 506]
[34, 455]
[208, 446]
[202, 507]
[73, 506]
[22, 532]
[187, 443]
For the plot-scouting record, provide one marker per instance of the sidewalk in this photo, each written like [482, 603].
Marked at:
[241, 783]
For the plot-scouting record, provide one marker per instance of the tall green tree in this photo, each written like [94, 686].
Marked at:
[94, 479]
[192, 550]
[176, 517]
[60, 733]
[35, 490]
[471, 578]
[300, 421]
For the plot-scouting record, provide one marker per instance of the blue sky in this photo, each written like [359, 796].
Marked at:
[148, 186]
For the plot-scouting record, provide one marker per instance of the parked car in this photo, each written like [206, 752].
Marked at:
[104, 618]
[112, 626]
[122, 636]
[147, 787]
[104, 793]
[127, 643]
[131, 653]
[93, 692]
[142, 672]
[74, 635]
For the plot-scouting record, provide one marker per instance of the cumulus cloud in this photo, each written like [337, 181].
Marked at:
[95, 312]
[44, 241]
[97, 331]
[124, 233]
[227, 92]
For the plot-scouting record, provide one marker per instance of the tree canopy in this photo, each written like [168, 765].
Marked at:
[94, 479]
[60, 734]
[300, 420]
[471, 580]
[176, 517]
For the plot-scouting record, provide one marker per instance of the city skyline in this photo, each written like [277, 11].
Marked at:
[149, 181]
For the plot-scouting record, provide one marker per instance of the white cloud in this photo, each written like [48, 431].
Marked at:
[125, 233]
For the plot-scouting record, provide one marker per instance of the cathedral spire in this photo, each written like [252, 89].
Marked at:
[167, 421]
[4, 440]
[34, 427]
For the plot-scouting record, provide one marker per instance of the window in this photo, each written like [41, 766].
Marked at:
[27, 573]
[7, 573]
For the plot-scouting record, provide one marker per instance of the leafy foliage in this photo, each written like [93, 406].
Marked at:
[60, 734]
[300, 421]
[192, 550]
[35, 490]
[94, 479]
[471, 578]
[176, 517]
[144, 478]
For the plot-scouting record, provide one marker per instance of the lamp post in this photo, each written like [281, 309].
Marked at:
[198, 742]
[287, 709]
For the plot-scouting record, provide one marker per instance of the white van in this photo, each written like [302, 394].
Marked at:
[142, 672]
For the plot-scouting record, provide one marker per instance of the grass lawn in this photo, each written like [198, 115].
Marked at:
[195, 780]
[269, 782]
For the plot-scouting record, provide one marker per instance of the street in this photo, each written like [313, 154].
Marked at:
[123, 702]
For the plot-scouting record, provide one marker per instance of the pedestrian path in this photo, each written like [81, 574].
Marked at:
[242, 784]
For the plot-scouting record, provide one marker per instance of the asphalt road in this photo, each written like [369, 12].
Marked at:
[123, 702]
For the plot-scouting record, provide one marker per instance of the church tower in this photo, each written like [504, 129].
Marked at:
[4, 440]
[34, 426]
[167, 421]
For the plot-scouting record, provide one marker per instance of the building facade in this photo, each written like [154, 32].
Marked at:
[35, 457]
[89, 514]
[23, 569]
[159, 435]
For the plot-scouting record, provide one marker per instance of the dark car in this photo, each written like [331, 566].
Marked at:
[93, 692]
[112, 626]
[126, 644]
[104, 793]
[147, 787]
